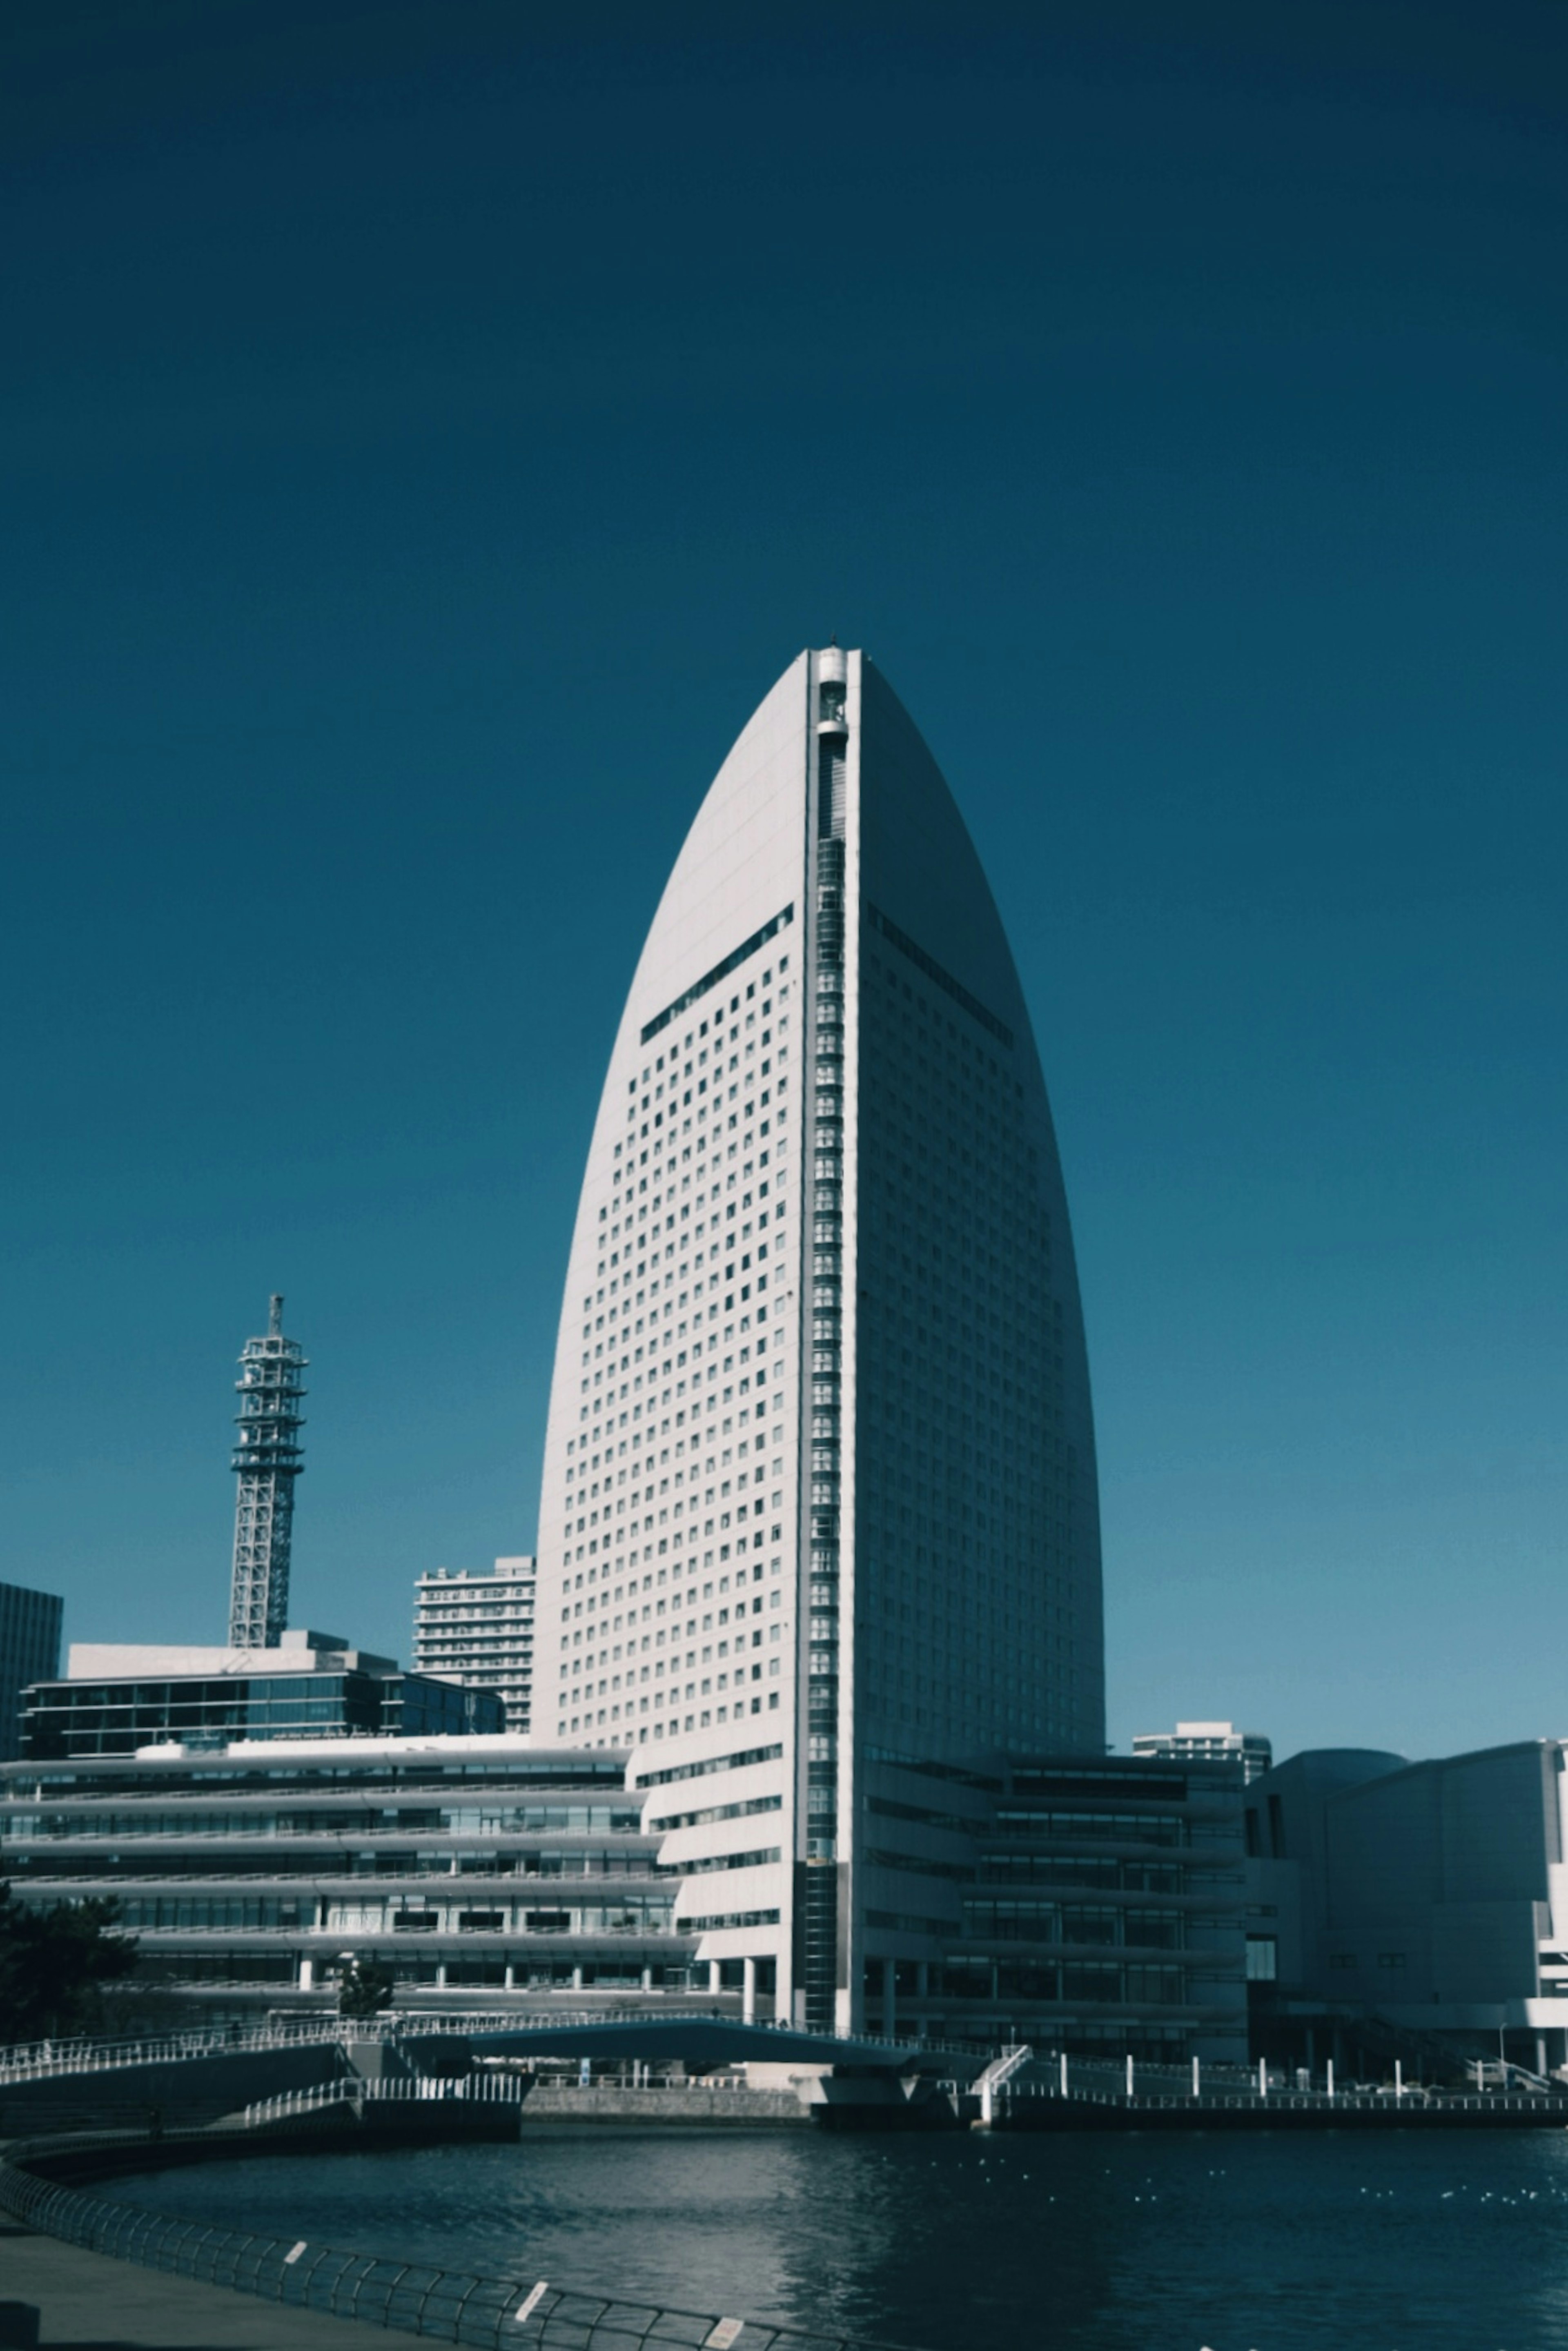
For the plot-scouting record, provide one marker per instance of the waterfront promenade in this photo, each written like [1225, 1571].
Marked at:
[90, 2301]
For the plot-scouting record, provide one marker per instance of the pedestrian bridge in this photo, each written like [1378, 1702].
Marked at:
[700, 2040]
[692, 2035]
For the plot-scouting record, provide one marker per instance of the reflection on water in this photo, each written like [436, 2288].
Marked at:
[1430, 2242]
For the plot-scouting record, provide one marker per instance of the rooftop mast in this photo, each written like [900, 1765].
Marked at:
[268, 1458]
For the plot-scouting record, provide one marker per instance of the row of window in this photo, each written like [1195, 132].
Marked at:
[638, 1261]
[496, 1819]
[648, 1915]
[704, 1819]
[1048, 1922]
[113, 1869]
[1096, 1984]
[721, 971]
[628, 1971]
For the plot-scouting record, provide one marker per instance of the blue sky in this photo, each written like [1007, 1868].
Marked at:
[426, 433]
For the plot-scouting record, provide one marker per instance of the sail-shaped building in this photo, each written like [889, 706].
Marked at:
[820, 1500]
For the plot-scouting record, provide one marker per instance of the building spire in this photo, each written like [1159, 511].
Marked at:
[267, 1459]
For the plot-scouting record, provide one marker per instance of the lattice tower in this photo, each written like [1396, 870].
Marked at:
[268, 1458]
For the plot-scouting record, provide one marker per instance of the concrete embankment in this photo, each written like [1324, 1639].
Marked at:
[339, 2130]
[1283, 2114]
[187, 2089]
[568, 2101]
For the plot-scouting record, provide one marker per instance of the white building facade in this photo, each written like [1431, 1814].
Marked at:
[1209, 1742]
[820, 1487]
[479, 1630]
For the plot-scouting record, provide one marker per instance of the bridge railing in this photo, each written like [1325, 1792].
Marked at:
[31, 2061]
[423, 2089]
[531, 2313]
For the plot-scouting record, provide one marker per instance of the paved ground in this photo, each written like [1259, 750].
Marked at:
[89, 2303]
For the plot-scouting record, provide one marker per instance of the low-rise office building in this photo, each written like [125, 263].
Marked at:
[1088, 1904]
[1430, 1899]
[474, 1867]
[1209, 1742]
[119, 1697]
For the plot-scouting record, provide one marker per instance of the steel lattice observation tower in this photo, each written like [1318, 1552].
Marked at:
[267, 1459]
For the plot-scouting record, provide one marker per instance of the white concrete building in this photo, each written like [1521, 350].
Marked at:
[819, 1485]
[479, 1630]
[1209, 1742]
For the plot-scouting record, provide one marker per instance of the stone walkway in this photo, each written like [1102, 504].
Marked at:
[89, 2303]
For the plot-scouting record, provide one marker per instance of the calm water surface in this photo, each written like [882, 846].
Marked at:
[1279, 2243]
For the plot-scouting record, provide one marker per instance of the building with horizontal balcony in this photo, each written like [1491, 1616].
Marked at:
[476, 1869]
[119, 1698]
[1091, 1906]
[1094, 1908]
[1202, 1742]
[479, 1630]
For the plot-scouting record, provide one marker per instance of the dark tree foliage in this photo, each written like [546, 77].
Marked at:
[366, 1989]
[55, 1964]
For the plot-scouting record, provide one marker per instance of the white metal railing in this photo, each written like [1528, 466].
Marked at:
[33, 2060]
[42, 2060]
[87, 2053]
[998, 2073]
[476, 2089]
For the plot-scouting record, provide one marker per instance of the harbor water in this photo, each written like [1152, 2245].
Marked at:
[1114, 2242]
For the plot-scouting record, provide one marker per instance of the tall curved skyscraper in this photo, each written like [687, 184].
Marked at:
[820, 1487]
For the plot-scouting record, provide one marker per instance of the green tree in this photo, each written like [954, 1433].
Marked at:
[55, 1964]
[366, 1989]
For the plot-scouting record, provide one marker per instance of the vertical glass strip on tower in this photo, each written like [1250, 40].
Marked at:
[820, 1486]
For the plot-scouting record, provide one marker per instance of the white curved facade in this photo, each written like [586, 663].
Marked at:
[820, 1487]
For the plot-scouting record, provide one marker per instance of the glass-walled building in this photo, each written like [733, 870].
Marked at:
[29, 1652]
[1091, 1906]
[120, 1699]
[473, 1867]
